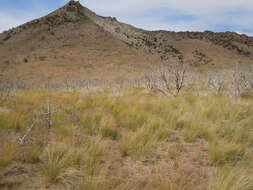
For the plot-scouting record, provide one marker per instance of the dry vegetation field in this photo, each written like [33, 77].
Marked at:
[180, 118]
[132, 139]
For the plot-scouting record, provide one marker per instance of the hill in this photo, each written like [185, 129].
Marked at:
[74, 42]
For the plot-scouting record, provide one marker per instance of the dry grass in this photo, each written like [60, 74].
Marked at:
[56, 163]
[93, 157]
[221, 153]
[230, 179]
[100, 140]
[32, 154]
[8, 153]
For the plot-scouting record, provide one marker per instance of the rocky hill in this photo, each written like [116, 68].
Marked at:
[73, 41]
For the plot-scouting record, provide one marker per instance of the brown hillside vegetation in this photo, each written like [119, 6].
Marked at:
[67, 42]
[73, 41]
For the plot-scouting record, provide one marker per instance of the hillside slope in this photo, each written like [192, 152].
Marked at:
[67, 42]
[75, 42]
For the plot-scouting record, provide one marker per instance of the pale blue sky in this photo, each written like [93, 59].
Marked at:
[175, 15]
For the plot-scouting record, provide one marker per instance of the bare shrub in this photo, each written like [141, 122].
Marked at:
[216, 83]
[168, 79]
[239, 81]
[5, 87]
[250, 77]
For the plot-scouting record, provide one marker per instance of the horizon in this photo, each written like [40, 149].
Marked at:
[193, 15]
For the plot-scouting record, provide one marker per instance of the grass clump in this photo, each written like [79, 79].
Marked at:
[230, 179]
[110, 133]
[194, 130]
[93, 158]
[175, 150]
[8, 153]
[91, 123]
[129, 115]
[138, 144]
[98, 183]
[12, 121]
[33, 153]
[4, 121]
[221, 153]
[108, 128]
[55, 164]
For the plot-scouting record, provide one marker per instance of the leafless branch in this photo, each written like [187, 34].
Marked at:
[168, 79]
[216, 83]
[22, 139]
[239, 82]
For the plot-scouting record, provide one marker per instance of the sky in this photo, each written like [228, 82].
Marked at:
[173, 15]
